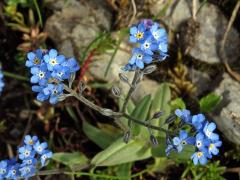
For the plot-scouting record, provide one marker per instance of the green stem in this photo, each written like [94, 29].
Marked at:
[62, 171]
[14, 76]
[38, 12]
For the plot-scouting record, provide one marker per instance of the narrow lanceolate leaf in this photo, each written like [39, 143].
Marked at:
[102, 139]
[74, 160]
[123, 171]
[161, 102]
[141, 112]
[120, 152]
[209, 102]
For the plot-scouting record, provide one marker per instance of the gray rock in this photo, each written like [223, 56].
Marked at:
[227, 117]
[75, 24]
[202, 80]
[213, 24]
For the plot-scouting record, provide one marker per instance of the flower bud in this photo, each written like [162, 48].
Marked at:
[150, 69]
[116, 91]
[126, 136]
[153, 140]
[123, 78]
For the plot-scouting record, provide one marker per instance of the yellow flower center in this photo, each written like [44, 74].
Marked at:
[211, 146]
[199, 154]
[139, 35]
[30, 142]
[36, 61]
[53, 62]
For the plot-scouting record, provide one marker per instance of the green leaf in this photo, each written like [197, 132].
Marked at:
[160, 102]
[141, 112]
[209, 102]
[99, 137]
[159, 150]
[73, 160]
[185, 155]
[120, 152]
[124, 170]
[177, 103]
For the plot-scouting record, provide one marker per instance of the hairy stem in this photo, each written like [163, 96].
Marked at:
[130, 92]
[111, 113]
[145, 123]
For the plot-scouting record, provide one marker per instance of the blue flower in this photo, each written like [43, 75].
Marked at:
[27, 171]
[28, 140]
[1, 81]
[30, 160]
[26, 152]
[138, 33]
[200, 157]
[213, 147]
[53, 59]
[72, 64]
[53, 91]
[184, 115]
[139, 58]
[40, 74]
[152, 43]
[201, 141]
[208, 131]
[13, 172]
[41, 96]
[49, 70]
[45, 156]
[34, 58]
[159, 34]
[148, 46]
[40, 147]
[198, 120]
[183, 140]
[3, 168]
[61, 73]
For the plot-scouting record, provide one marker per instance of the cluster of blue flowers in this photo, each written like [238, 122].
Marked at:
[33, 156]
[204, 138]
[49, 69]
[1, 80]
[152, 44]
